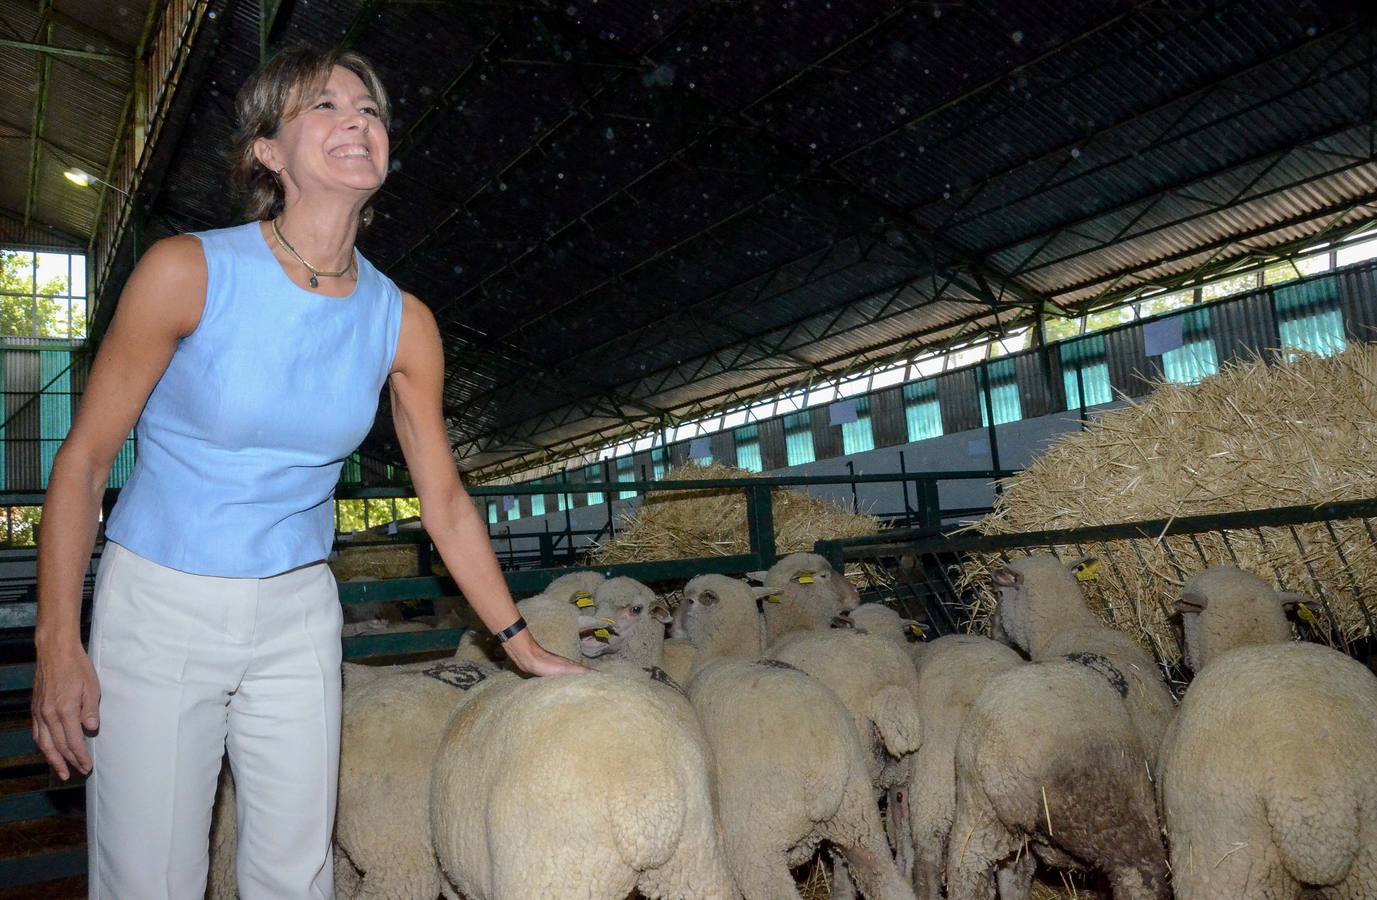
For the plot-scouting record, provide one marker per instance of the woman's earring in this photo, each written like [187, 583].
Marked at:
[366, 216]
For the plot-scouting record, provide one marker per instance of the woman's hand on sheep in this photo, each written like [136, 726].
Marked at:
[66, 702]
[533, 659]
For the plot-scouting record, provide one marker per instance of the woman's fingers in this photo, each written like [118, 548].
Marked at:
[43, 738]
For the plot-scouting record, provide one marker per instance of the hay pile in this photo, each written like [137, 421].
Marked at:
[1251, 437]
[690, 524]
[377, 561]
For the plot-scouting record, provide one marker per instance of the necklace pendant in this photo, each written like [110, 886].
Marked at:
[314, 282]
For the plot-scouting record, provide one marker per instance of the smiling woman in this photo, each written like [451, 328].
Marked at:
[251, 358]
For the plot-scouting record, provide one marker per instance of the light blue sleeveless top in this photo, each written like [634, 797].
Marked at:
[241, 442]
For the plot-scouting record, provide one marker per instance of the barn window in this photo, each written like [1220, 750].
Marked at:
[748, 448]
[858, 436]
[1003, 394]
[1085, 373]
[626, 471]
[593, 473]
[922, 410]
[798, 439]
[1195, 358]
[1309, 318]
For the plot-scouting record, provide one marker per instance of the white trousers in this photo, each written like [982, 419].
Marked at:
[190, 665]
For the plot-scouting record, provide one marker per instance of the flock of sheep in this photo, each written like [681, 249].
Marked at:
[784, 716]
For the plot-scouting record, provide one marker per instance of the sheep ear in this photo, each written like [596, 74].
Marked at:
[1191, 602]
[757, 576]
[760, 592]
[708, 598]
[1291, 601]
[1006, 578]
[1082, 564]
[661, 613]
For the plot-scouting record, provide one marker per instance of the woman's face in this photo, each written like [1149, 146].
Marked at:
[336, 141]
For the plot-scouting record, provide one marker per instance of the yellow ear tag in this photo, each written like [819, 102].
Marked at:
[583, 601]
[915, 630]
[804, 579]
[1088, 571]
[1305, 615]
[772, 598]
[602, 634]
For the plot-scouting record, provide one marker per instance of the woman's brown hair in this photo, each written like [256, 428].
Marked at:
[280, 89]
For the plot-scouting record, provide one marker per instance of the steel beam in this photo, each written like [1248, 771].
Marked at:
[67, 52]
[40, 107]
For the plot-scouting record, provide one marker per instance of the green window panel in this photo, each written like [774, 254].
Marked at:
[514, 511]
[659, 462]
[922, 410]
[798, 439]
[1003, 394]
[1195, 359]
[1092, 379]
[492, 513]
[748, 448]
[562, 501]
[537, 502]
[1309, 318]
[626, 471]
[858, 436]
[594, 473]
[1083, 369]
[54, 406]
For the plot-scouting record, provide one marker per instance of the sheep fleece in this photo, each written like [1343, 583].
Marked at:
[1270, 776]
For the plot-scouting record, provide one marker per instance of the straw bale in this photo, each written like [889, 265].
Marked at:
[1251, 437]
[689, 524]
[377, 561]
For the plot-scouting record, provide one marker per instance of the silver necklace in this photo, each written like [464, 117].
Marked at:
[316, 274]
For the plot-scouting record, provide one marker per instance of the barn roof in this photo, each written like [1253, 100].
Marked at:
[625, 214]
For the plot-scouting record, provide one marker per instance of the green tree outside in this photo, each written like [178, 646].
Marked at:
[28, 313]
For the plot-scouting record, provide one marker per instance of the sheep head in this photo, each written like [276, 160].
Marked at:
[1224, 608]
[879, 620]
[1038, 596]
[719, 615]
[632, 618]
[805, 594]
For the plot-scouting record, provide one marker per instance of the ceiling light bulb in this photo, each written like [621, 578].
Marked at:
[78, 177]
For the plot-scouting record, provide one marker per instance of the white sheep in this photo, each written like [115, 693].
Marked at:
[477, 645]
[790, 767]
[392, 724]
[1042, 611]
[676, 658]
[1269, 773]
[588, 786]
[631, 617]
[1049, 761]
[952, 674]
[806, 593]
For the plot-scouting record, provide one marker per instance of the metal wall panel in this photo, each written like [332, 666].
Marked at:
[1039, 384]
[772, 449]
[826, 437]
[1358, 296]
[887, 417]
[1244, 328]
[1128, 364]
[959, 394]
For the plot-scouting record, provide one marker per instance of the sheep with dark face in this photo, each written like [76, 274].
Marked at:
[1042, 611]
[805, 594]
[790, 767]
[1269, 773]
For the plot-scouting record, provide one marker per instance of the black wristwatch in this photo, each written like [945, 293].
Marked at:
[512, 630]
